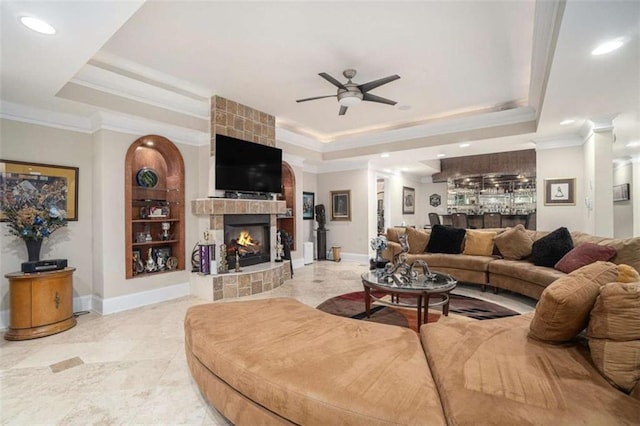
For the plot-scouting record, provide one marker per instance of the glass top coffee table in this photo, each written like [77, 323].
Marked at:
[423, 288]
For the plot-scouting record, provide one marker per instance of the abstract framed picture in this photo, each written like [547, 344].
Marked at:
[53, 186]
[560, 192]
[341, 205]
[621, 192]
[308, 204]
[408, 200]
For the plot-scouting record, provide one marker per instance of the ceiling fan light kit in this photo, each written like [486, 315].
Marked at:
[350, 93]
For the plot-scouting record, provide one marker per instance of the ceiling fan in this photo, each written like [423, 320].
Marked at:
[350, 93]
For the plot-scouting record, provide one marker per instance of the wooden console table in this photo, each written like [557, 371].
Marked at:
[41, 304]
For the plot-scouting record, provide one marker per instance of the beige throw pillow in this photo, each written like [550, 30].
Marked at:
[417, 240]
[478, 243]
[614, 334]
[564, 306]
[514, 243]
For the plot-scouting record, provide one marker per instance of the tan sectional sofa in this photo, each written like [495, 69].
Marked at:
[278, 361]
[520, 276]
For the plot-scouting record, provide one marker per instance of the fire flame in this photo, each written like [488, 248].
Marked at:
[245, 239]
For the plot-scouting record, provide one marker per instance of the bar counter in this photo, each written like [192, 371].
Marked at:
[475, 221]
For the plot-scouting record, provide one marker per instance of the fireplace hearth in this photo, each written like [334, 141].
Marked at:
[249, 236]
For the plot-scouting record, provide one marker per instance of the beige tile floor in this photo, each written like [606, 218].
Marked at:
[130, 367]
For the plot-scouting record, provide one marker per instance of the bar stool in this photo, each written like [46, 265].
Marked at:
[434, 219]
[530, 222]
[492, 220]
[460, 220]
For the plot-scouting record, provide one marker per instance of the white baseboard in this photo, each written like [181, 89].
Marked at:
[355, 257]
[136, 300]
[82, 303]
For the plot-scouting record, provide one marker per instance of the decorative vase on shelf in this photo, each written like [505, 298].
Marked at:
[33, 249]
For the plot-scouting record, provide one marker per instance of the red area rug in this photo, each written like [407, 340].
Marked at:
[351, 305]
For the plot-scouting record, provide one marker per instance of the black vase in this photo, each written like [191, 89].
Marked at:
[33, 249]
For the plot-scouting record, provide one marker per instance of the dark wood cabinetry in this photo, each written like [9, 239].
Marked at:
[288, 222]
[41, 304]
[154, 206]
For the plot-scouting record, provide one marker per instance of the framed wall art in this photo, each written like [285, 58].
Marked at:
[44, 184]
[308, 203]
[408, 200]
[621, 192]
[560, 192]
[341, 205]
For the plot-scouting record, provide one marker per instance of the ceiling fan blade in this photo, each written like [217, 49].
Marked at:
[332, 80]
[316, 97]
[377, 83]
[373, 98]
[343, 110]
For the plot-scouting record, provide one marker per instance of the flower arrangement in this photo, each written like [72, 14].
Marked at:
[32, 219]
[378, 243]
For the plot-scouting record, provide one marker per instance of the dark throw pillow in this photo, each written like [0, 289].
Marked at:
[548, 250]
[445, 239]
[584, 254]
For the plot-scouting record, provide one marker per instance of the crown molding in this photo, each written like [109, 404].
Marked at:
[42, 117]
[555, 142]
[603, 123]
[293, 138]
[104, 120]
[293, 160]
[105, 80]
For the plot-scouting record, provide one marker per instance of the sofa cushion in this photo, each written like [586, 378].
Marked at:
[392, 234]
[417, 240]
[445, 239]
[627, 249]
[584, 254]
[478, 243]
[514, 243]
[564, 306]
[548, 250]
[311, 367]
[489, 372]
[614, 334]
[522, 270]
[458, 261]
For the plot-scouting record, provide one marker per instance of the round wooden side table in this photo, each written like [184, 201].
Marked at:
[41, 304]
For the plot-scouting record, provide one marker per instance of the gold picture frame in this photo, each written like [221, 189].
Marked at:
[341, 205]
[43, 180]
[560, 192]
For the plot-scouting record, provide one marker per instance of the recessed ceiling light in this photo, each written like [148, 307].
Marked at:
[384, 155]
[441, 155]
[567, 121]
[465, 145]
[37, 25]
[387, 170]
[607, 47]
[633, 144]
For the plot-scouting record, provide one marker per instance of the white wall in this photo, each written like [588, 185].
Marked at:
[41, 144]
[310, 184]
[94, 245]
[109, 222]
[560, 163]
[623, 210]
[352, 236]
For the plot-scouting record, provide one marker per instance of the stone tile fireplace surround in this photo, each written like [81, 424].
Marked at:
[230, 118]
[252, 279]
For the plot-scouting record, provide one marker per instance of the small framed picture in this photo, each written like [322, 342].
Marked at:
[621, 192]
[408, 200]
[308, 204]
[341, 205]
[160, 256]
[560, 192]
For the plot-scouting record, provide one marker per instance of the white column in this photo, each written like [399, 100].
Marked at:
[599, 178]
[635, 194]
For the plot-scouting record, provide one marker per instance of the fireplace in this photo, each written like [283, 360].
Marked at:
[249, 235]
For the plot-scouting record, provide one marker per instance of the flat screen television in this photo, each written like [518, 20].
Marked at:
[246, 166]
